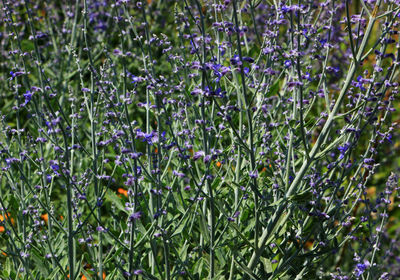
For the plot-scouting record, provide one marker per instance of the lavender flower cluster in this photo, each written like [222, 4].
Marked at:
[199, 139]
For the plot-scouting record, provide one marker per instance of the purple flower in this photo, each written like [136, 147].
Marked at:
[207, 158]
[308, 76]
[216, 67]
[28, 96]
[55, 167]
[101, 229]
[9, 161]
[196, 91]
[248, 59]
[369, 161]
[135, 216]
[361, 267]
[178, 174]
[235, 60]
[389, 138]
[15, 74]
[288, 63]
[135, 79]
[343, 149]
[198, 155]
[254, 174]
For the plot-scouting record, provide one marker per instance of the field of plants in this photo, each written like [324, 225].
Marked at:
[199, 139]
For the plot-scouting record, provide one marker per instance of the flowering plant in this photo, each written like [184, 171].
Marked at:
[198, 139]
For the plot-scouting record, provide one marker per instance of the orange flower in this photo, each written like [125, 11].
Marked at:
[45, 217]
[7, 216]
[309, 245]
[2, 229]
[84, 277]
[123, 191]
[218, 164]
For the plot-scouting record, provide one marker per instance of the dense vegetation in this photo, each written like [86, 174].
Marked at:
[199, 139]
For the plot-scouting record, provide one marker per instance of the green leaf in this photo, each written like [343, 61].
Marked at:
[233, 225]
[178, 203]
[55, 273]
[278, 228]
[267, 265]
[221, 256]
[140, 227]
[116, 200]
[304, 196]
[40, 263]
[276, 203]
[198, 267]
[204, 228]
[183, 251]
[112, 256]
[247, 270]
[180, 227]
[7, 267]
[273, 90]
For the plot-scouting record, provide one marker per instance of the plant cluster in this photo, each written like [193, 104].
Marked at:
[199, 139]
